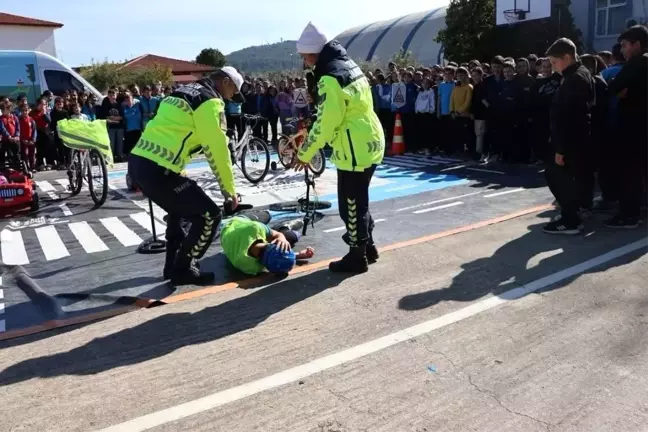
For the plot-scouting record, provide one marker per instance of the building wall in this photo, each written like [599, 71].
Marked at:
[585, 18]
[28, 38]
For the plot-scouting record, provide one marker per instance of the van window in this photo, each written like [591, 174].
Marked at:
[60, 81]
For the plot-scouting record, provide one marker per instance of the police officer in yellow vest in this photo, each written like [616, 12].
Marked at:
[347, 122]
[188, 121]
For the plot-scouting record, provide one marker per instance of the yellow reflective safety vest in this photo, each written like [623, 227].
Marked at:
[188, 121]
[84, 135]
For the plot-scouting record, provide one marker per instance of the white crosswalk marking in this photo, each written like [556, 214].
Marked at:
[89, 240]
[63, 182]
[144, 219]
[13, 248]
[45, 186]
[51, 243]
[125, 235]
[65, 209]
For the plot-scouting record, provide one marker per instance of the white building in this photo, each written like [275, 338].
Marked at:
[23, 33]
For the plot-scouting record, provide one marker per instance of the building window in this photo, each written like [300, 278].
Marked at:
[611, 16]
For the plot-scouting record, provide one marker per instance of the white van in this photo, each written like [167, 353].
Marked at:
[33, 72]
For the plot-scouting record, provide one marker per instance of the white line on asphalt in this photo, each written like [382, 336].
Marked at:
[438, 207]
[144, 219]
[496, 194]
[400, 188]
[343, 227]
[89, 240]
[486, 170]
[65, 209]
[45, 186]
[125, 235]
[51, 243]
[13, 248]
[452, 168]
[221, 398]
[53, 195]
[63, 182]
[437, 201]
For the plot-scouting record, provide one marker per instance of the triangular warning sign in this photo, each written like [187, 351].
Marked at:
[398, 97]
[301, 100]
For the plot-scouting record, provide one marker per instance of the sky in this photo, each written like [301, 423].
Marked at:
[123, 29]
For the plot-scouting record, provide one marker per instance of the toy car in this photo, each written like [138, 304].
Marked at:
[17, 190]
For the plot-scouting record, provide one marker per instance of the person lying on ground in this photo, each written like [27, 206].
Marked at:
[253, 247]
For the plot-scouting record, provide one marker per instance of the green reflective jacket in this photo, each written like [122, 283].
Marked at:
[345, 116]
[190, 120]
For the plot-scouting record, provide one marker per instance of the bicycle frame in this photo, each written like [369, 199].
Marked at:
[238, 145]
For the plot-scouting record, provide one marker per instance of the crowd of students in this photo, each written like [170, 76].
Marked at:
[524, 111]
[31, 131]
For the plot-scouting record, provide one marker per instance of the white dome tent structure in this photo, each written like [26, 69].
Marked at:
[380, 41]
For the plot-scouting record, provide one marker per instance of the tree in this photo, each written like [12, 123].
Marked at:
[104, 74]
[211, 57]
[468, 24]
[404, 58]
[471, 32]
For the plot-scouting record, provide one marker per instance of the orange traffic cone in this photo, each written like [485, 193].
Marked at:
[398, 143]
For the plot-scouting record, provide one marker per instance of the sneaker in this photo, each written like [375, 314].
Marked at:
[559, 227]
[293, 225]
[620, 222]
[483, 159]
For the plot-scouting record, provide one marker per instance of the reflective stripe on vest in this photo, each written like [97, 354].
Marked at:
[157, 150]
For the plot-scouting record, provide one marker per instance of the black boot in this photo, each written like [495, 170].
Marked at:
[186, 271]
[168, 267]
[191, 276]
[372, 253]
[353, 262]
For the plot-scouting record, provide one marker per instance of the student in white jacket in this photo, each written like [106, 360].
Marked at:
[425, 118]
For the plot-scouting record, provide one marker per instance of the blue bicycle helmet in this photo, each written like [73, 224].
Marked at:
[278, 261]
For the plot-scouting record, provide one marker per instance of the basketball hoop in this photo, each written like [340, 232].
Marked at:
[515, 15]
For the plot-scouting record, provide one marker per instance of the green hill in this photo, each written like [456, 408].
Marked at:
[266, 58]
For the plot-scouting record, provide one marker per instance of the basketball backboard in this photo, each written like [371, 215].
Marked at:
[515, 11]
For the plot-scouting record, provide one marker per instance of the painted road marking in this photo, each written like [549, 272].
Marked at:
[486, 171]
[125, 235]
[503, 193]
[65, 209]
[452, 168]
[51, 243]
[348, 355]
[144, 219]
[53, 195]
[454, 204]
[85, 235]
[343, 227]
[437, 201]
[400, 188]
[64, 182]
[45, 186]
[13, 248]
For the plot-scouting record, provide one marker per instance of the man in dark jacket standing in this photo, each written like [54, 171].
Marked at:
[630, 86]
[570, 137]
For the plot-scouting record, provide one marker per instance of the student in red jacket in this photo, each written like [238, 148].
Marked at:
[45, 151]
[9, 133]
[28, 136]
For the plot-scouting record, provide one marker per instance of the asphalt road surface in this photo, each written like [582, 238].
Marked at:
[71, 261]
[498, 328]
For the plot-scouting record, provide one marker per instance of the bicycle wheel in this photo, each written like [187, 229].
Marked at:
[300, 206]
[259, 154]
[75, 173]
[286, 156]
[317, 165]
[97, 178]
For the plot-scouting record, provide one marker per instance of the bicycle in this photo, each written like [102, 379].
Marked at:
[81, 167]
[248, 144]
[305, 205]
[289, 145]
